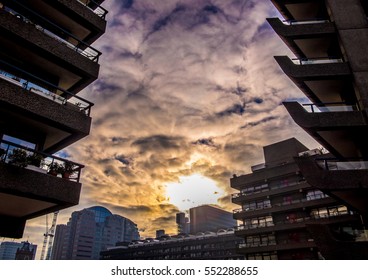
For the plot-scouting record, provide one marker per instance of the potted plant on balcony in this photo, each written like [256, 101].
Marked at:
[54, 168]
[67, 169]
[2, 153]
[19, 158]
[35, 159]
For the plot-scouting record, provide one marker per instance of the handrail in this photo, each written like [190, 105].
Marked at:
[306, 21]
[275, 205]
[343, 164]
[99, 10]
[94, 55]
[7, 148]
[335, 107]
[317, 60]
[86, 108]
[291, 221]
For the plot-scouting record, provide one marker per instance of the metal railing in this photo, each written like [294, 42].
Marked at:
[302, 22]
[330, 107]
[66, 97]
[316, 60]
[80, 47]
[292, 221]
[95, 7]
[285, 203]
[44, 163]
[346, 164]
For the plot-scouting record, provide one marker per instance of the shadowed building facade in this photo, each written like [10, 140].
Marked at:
[46, 59]
[330, 41]
[277, 204]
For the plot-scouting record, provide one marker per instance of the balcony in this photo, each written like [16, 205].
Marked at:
[298, 223]
[322, 79]
[36, 105]
[83, 19]
[70, 63]
[245, 248]
[301, 9]
[347, 180]
[31, 186]
[308, 38]
[244, 196]
[241, 213]
[337, 126]
[263, 175]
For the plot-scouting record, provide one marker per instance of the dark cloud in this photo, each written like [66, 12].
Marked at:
[206, 142]
[264, 120]
[237, 109]
[158, 142]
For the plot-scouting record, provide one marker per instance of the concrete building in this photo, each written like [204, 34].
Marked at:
[203, 246]
[183, 223]
[8, 250]
[46, 59]
[277, 205]
[330, 41]
[209, 218]
[90, 231]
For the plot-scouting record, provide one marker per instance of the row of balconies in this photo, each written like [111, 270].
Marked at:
[246, 248]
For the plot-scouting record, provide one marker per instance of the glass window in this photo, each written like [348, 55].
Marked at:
[18, 141]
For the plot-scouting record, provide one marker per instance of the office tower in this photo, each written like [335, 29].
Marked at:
[203, 246]
[330, 41]
[209, 218]
[277, 204]
[46, 59]
[182, 223]
[90, 231]
[8, 250]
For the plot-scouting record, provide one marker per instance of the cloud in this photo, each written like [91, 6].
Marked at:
[185, 87]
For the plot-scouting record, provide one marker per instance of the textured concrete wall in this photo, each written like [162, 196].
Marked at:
[62, 116]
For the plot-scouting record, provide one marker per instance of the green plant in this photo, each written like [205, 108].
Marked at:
[67, 169]
[54, 168]
[19, 158]
[35, 159]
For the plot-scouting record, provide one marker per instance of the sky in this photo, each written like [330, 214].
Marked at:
[188, 94]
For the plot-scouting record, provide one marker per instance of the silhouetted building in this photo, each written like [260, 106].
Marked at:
[46, 59]
[277, 204]
[203, 246]
[330, 41]
[8, 250]
[182, 223]
[160, 233]
[209, 218]
[26, 252]
[90, 231]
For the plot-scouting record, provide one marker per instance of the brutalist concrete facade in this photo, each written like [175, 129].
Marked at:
[277, 205]
[330, 41]
[46, 58]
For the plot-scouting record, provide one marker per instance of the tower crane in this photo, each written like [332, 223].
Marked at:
[49, 236]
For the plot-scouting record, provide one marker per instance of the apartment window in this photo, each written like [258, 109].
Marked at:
[315, 194]
[18, 141]
[262, 256]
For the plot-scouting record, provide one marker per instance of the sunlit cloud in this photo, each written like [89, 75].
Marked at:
[185, 87]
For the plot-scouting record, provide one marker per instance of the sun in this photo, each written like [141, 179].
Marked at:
[192, 191]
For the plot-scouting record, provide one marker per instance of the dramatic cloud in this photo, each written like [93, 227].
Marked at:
[185, 87]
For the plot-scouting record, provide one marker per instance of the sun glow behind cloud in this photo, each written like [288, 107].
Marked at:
[192, 191]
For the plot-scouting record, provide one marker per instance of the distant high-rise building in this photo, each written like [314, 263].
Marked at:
[90, 231]
[8, 250]
[46, 59]
[160, 233]
[182, 223]
[26, 252]
[209, 218]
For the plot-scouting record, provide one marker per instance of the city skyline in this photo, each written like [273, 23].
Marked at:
[185, 88]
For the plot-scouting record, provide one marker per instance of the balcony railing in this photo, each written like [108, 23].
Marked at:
[317, 60]
[269, 188]
[38, 20]
[24, 82]
[14, 154]
[285, 203]
[95, 7]
[348, 164]
[292, 221]
[330, 107]
[302, 22]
